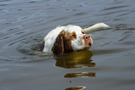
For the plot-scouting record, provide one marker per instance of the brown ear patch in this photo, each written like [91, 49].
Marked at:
[62, 43]
[58, 47]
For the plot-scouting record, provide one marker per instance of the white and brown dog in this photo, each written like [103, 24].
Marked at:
[65, 39]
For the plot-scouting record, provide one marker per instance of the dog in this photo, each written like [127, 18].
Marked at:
[66, 39]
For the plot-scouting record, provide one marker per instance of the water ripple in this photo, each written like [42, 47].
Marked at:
[115, 7]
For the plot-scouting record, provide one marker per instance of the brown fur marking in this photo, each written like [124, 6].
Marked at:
[63, 43]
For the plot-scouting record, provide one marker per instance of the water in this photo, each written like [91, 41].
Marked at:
[108, 65]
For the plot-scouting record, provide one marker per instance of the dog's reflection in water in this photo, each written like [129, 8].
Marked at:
[77, 59]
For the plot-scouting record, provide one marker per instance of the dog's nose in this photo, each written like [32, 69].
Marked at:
[88, 40]
[86, 37]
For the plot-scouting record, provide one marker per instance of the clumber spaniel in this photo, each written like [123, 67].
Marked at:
[65, 39]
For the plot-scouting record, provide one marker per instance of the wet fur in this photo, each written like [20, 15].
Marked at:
[62, 44]
[65, 39]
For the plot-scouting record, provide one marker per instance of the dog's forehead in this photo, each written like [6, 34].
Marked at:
[73, 28]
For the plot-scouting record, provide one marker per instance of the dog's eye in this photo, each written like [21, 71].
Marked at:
[82, 32]
[73, 36]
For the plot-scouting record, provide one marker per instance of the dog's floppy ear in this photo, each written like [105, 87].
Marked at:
[58, 47]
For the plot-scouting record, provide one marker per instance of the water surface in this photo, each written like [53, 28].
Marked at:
[108, 65]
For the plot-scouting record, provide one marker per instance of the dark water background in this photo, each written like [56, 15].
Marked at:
[108, 65]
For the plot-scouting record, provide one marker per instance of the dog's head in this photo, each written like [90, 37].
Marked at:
[71, 38]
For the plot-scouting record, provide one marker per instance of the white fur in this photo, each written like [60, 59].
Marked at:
[78, 43]
[95, 27]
